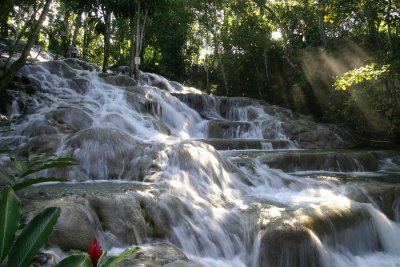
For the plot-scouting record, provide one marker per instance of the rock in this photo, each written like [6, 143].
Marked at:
[227, 129]
[136, 97]
[40, 144]
[114, 213]
[120, 80]
[122, 216]
[76, 228]
[37, 128]
[79, 64]
[78, 84]
[69, 119]
[338, 161]
[121, 70]
[108, 153]
[287, 245]
[157, 255]
[311, 135]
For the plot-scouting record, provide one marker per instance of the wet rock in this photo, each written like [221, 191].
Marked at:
[40, 144]
[122, 216]
[59, 68]
[227, 129]
[79, 84]
[288, 245]
[76, 228]
[240, 144]
[207, 106]
[137, 100]
[108, 153]
[37, 128]
[120, 80]
[69, 119]
[157, 255]
[44, 259]
[311, 135]
[79, 64]
[339, 161]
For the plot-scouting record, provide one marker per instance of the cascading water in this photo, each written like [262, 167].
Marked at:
[266, 203]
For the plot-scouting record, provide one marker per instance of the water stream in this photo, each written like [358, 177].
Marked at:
[267, 202]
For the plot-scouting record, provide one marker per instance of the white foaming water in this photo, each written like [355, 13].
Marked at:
[217, 212]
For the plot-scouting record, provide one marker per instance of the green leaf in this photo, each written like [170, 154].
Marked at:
[21, 166]
[52, 163]
[9, 179]
[114, 260]
[102, 257]
[10, 214]
[77, 252]
[39, 180]
[5, 150]
[33, 237]
[81, 260]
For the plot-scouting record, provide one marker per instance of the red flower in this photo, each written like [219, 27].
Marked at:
[95, 252]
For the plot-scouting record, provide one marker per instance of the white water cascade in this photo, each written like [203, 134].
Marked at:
[232, 177]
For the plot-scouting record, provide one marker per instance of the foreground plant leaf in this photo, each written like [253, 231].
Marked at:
[81, 260]
[10, 213]
[39, 180]
[114, 260]
[33, 237]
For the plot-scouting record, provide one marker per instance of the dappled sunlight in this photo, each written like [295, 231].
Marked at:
[322, 66]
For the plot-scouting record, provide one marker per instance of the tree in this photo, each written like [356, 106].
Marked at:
[10, 71]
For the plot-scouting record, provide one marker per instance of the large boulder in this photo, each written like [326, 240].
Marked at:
[162, 254]
[108, 153]
[69, 119]
[122, 216]
[119, 80]
[227, 129]
[76, 228]
[311, 135]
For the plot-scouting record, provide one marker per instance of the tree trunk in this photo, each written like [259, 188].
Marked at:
[389, 26]
[321, 23]
[137, 50]
[208, 89]
[9, 72]
[266, 66]
[66, 33]
[284, 33]
[132, 46]
[6, 8]
[86, 38]
[107, 33]
[76, 32]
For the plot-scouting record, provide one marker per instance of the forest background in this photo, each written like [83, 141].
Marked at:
[336, 60]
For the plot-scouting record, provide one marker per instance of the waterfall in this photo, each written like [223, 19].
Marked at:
[238, 182]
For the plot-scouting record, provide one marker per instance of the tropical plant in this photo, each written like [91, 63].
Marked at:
[35, 163]
[21, 250]
[95, 257]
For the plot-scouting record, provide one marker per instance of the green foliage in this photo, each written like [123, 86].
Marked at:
[35, 163]
[369, 103]
[33, 237]
[114, 260]
[21, 252]
[76, 260]
[359, 75]
[10, 210]
[82, 259]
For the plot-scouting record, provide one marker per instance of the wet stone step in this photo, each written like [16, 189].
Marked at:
[320, 160]
[228, 129]
[293, 237]
[244, 144]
